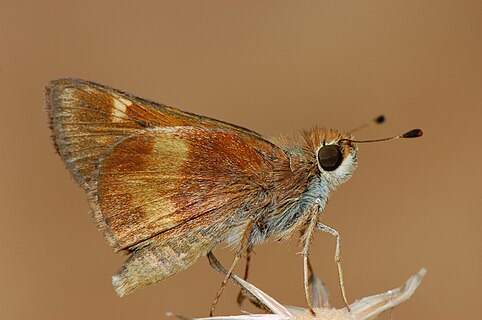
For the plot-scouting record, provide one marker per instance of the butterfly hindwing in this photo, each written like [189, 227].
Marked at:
[153, 181]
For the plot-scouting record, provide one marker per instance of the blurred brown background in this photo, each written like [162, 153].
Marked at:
[272, 66]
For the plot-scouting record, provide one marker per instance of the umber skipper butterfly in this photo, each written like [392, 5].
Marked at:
[167, 186]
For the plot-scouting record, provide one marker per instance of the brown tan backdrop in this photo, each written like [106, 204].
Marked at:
[272, 66]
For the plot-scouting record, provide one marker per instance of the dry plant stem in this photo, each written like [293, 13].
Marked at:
[368, 308]
[371, 307]
[322, 227]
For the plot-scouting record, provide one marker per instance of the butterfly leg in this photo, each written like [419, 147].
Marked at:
[307, 273]
[241, 295]
[319, 294]
[216, 265]
[243, 246]
[320, 226]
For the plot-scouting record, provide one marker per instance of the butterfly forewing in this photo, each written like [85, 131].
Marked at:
[87, 117]
[148, 168]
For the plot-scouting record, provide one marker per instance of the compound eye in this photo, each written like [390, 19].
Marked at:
[330, 157]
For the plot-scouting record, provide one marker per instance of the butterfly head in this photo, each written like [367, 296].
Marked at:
[337, 153]
[336, 158]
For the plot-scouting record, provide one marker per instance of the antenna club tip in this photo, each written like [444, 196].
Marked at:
[380, 119]
[415, 133]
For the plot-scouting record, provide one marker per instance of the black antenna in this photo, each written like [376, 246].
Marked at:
[415, 133]
[378, 120]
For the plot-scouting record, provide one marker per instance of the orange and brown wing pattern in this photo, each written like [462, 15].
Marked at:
[148, 168]
[156, 180]
[86, 118]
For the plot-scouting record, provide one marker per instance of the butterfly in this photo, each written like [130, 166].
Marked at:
[167, 186]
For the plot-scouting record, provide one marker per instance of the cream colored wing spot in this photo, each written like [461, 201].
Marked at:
[175, 152]
[119, 109]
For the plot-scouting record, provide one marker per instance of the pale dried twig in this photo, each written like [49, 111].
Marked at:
[367, 308]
